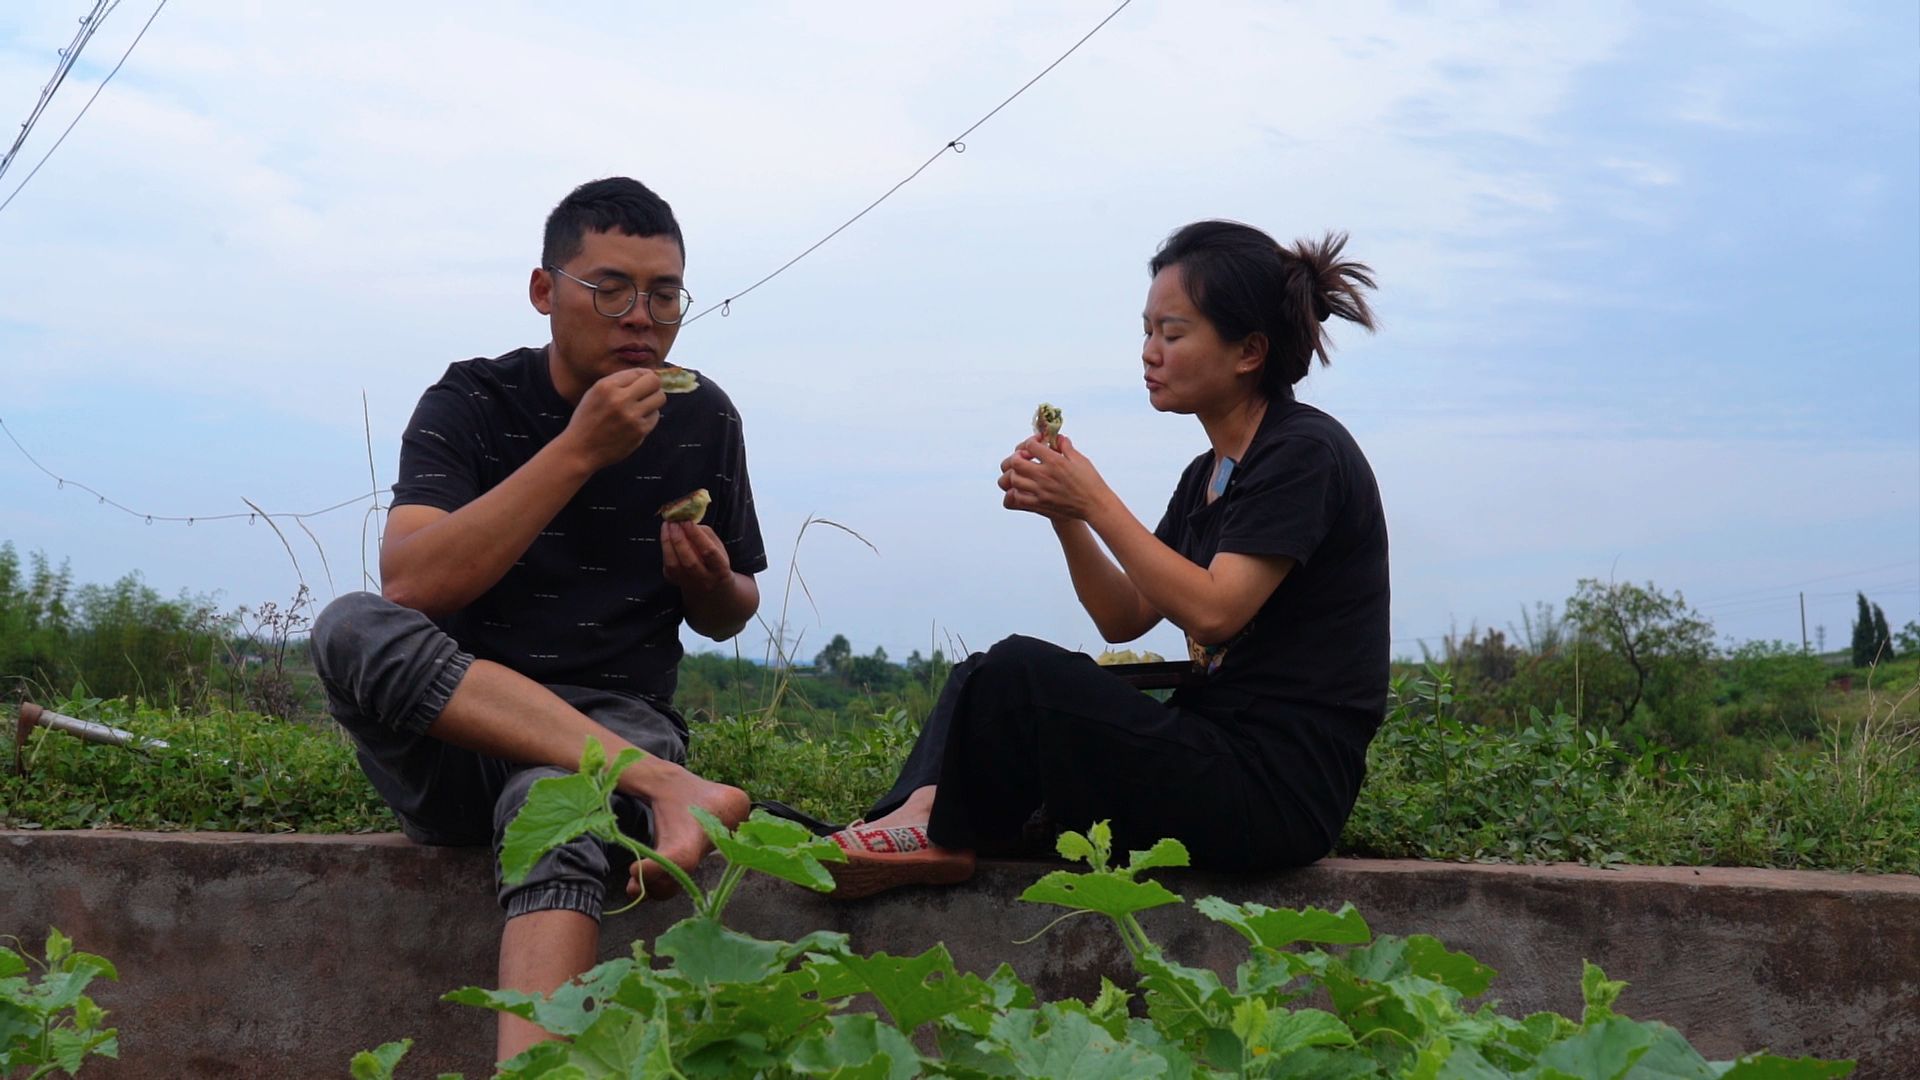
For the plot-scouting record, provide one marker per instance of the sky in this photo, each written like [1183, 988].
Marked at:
[1649, 280]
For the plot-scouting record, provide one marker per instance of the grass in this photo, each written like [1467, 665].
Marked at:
[229, 771]
[1437, 788]
[1554, 791]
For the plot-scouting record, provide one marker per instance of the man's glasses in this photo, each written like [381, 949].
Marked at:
[615, 296]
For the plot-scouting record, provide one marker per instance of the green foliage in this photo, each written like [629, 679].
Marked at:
[1861, 651]
[1907, 643]
[840, 693]
[36, 616]
[48, 1022]
[727, 1004]
[1872, 642]
[559, 808]
[1652, 653]
[1552, 790]
[232, 771]
[1438, 786]
[125, 640]
[1772, 688]
[1882, 639]
[116, 640]
[834, 776]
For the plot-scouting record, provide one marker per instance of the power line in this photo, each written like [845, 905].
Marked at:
[88, 105]
[151, 518]
[955, 144]
[1741, 593]
[89, 23]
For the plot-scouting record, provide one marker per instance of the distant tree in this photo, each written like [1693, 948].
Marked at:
[1541, 633]
[872, 673]
[833, 659]
[1655, 647]
[1862, 652]
[1882, 640]
[1907, 644]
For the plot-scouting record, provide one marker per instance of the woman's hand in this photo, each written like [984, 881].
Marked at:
[1058, 484]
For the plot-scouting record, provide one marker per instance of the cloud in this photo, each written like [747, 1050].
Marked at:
[273, 208]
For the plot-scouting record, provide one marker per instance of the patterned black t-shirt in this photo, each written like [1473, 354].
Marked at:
[1303, 490]
[586, 605]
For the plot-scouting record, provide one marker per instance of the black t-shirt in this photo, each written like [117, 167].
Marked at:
[586, 605]
[1305, 491]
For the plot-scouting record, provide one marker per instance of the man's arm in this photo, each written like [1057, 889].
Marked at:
[435, 562]
[717, 599]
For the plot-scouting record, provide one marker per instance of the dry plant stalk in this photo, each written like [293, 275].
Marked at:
[1885, 742]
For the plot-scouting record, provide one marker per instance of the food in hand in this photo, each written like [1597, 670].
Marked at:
[1046, 424]
[688, 508]
[677, 380]
[1127, 656]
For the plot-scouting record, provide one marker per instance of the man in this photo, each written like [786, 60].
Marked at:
[531, 595]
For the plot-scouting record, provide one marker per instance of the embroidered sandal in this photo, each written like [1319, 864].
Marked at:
[879, 859]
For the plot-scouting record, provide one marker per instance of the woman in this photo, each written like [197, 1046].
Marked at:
[1271, 556]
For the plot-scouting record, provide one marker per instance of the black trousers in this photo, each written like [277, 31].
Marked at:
[1029, 737]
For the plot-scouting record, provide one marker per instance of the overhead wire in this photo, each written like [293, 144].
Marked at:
[83, 109]
[957, 144]
[89, 23]
[63, 482]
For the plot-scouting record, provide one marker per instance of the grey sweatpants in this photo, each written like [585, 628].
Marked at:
[388, 671]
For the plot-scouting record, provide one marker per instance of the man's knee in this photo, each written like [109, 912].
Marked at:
[343, 631]
[384, 665]
[513, 796]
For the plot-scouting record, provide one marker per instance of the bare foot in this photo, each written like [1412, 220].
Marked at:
[677, 836]
[917, 810]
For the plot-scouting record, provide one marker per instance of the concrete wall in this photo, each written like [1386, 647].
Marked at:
[246, 956]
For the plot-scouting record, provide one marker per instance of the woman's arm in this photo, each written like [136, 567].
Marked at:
[1119, 612]
[1210, 603]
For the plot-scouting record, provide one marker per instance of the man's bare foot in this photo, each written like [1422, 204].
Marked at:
[677, 836]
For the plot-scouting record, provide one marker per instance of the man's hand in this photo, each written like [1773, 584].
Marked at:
[615, 416]
[693, 558]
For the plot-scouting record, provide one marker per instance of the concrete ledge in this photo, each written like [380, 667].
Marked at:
[280, 956]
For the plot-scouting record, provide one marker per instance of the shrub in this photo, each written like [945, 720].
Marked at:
[49, 1022]
[1773, 688]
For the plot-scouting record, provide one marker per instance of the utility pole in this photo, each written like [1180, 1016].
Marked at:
[1803, 623]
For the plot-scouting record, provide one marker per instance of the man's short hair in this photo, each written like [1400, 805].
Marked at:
[615, 204]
